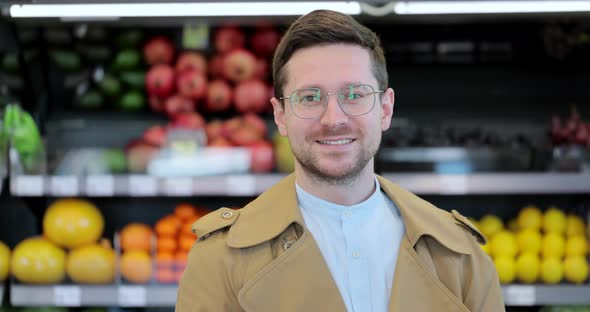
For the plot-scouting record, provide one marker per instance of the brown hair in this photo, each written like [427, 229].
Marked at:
[322, 27]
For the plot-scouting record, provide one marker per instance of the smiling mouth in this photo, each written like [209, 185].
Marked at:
[336, 142]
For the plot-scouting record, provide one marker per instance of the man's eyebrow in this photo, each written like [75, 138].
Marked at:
[343, 85]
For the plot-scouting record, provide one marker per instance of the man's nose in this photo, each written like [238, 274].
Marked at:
[333, 115]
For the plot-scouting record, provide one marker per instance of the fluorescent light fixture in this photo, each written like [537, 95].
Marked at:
[488, 7]
[103, 10]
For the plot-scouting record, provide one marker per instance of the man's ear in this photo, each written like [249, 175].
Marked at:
[387, 101]
[279, 114]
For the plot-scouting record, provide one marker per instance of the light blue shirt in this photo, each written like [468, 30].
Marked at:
[360, 244]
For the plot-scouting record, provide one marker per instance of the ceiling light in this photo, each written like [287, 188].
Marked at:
[221, 9]
[488, 7]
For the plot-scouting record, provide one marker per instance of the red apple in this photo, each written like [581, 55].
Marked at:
[582, 134]
[245, 135]
[156, 103]
[239, 65]
[216, 65]
[262, 156]
[139, 154]
[159, 81]
[251, 96]
[155, 135]
[219, 96]
[261, 71]
[159, 50]
[214, 130]
[220, 142]
[188, 121]
[228, 39]
[264, 41]
[192, 84]
[191, 61]
[178, 104]
[256, 122]
[230, 125]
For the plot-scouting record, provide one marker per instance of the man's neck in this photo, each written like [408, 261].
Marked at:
[359, 189]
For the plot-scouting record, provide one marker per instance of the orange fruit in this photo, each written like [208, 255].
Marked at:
[136, 266]
[166, 244]
[168, 226]
[181, 257]
[165, 276]
[136, 236]
[186, 242]
[185, 211]
[164, 260]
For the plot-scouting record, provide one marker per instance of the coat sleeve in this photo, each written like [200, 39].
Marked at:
[206, 284]
[481, 288]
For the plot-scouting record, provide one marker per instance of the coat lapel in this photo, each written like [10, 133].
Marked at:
[299, 278]
[302, 270]
[416, 288]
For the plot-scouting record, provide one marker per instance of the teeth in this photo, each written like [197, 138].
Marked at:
[346, 141]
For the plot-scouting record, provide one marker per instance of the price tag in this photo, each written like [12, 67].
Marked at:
[195, 37]
[64, 186]
[29, 186]
[142, 186]
[132, 296]
[520, 295]
[100, 185]
[241, 185]
[67, 296]
[180, 186]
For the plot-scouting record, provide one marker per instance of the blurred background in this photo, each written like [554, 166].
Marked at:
[123, 123]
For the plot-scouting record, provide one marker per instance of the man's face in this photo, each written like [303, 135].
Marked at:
[334, 147]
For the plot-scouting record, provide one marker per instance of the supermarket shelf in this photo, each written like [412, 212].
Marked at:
[165, 295]
[494, 183]
[141, 185]
[529, 295]
[88, 296]
[254, 184]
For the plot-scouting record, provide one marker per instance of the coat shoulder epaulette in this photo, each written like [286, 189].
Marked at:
[465, 223]
[214, 221]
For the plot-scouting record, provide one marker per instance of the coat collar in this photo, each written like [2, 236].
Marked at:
[272, 212]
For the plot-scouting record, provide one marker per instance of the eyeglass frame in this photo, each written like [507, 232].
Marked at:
[325, 105]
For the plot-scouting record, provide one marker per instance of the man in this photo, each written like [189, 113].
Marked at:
[333, 236]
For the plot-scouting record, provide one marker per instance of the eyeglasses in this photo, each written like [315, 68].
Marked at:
[311, 103]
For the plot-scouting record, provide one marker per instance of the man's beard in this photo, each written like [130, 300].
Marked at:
[310, 164]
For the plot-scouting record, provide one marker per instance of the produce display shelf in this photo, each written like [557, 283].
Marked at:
[89, 296]
[531, 295]
[494, 183]
[141, 185]
[165, 295]
[254, 184]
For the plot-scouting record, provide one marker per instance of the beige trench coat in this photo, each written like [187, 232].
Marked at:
[260, 258]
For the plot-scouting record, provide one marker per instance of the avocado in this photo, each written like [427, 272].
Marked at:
[132, 101]
[129, 38]
[95, 53]
[10, 62]
[90, 100]
[110, 86]
[134, 79]
[67, 60]
[127, 59]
